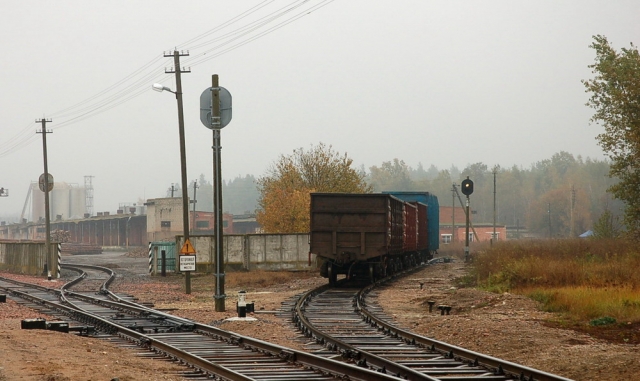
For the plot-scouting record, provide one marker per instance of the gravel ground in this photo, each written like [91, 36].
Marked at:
[505, 326]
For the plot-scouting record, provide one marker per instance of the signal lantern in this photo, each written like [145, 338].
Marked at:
[467, 186]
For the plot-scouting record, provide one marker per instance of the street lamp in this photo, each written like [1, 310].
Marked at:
[159, 87]
[183, 163]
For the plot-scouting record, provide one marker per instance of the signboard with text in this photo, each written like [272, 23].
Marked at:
[187, 263]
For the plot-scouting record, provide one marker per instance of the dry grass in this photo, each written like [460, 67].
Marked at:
[254, 279]
[586, 279]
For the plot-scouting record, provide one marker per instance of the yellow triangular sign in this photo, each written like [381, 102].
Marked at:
[187, 248]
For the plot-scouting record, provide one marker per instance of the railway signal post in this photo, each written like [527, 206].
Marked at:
[215, 113]
[466, 188]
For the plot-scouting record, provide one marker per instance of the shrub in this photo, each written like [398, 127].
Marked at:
[605, 320]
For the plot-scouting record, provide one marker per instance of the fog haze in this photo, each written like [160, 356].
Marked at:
[436, 83]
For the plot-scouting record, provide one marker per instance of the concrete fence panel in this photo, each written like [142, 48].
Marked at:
[28, 258]
[252, 251]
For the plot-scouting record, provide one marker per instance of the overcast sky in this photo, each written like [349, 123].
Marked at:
[443, 83]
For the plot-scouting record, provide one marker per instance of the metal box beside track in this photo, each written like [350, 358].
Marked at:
[37, 323]
[58, 326]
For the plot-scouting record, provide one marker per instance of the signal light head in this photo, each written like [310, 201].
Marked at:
[467, 186]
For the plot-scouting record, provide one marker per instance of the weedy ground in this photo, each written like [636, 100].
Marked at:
[593, 283]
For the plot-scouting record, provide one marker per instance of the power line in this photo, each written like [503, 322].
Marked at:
[137, 83]
[229, 22]
[108, 89]
[195, 62]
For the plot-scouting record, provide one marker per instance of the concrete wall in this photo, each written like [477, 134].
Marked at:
[485, 232]
[27, 258]
[164, 218]
[252, 251]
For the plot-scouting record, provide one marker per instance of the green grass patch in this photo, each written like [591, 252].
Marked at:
[605, 320]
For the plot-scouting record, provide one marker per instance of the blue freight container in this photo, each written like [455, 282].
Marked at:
[433, 213]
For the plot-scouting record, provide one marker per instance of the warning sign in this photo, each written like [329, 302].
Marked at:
[187, 248]
[187, 263]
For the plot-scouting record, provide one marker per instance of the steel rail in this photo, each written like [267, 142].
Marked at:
[346, 350]
[496, 368]
[121, 304]
[305, 360]
[291, 355]
[452, 351]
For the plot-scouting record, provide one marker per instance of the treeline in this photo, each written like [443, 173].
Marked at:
[240, 194]
[560, 197]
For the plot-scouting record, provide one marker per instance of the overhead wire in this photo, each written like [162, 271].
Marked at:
[255, 24]
[137, 82]
[19, 140]
[229, 22]
[61, 113]
[253, 38]
[140, 86]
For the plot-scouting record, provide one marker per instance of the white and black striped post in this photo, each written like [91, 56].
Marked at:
[59, 258]
[150, 258]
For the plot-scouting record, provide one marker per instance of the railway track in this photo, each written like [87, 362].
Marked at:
[354, 339]
[347, 322]
[208, 352]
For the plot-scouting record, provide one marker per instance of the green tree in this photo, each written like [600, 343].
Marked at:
[615, 97]
[607, 226]
[391, 176]
[240, 195]
[284, 191]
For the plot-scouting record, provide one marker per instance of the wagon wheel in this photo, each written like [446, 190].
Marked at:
[331, 274]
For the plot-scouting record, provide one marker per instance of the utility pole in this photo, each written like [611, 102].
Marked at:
[47, 217]
[453, 213]
[493, 236]
[573, 204]
[549, 216]
[183, 155]
[194, 201]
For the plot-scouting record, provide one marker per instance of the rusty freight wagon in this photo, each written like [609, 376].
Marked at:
[361, 235]
[430, 231]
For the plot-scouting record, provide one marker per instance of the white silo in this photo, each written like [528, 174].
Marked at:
[77, 202]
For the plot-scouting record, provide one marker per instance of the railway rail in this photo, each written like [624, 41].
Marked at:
[208, 351]
[354, 339]
[346, 322]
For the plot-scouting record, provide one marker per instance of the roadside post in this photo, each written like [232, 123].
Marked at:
[187, 260]
[242, 303]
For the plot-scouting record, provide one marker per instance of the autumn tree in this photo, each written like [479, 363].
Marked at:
[615, 97]
[284, 192]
